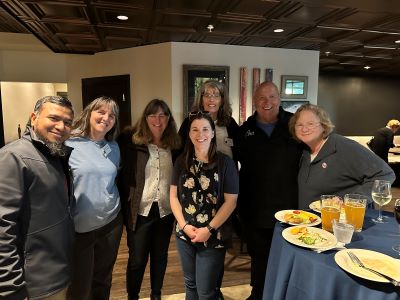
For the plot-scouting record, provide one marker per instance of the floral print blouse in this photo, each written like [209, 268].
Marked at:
[198, 195]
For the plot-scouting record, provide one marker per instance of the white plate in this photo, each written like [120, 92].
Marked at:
[315, 206]
[329, 238]
[280, 217]
[372, 259]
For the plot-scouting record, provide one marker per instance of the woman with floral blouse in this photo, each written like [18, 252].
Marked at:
[203, 195]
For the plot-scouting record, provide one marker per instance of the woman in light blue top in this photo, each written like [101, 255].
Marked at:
[94, 163]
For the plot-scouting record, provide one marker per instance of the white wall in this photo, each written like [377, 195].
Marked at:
[149, 68]
[282, 61]
[18, 101]
[155, 70]
[32, 66]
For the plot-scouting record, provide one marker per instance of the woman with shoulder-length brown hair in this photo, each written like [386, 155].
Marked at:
[94, 163]
[331, 163]
[203, 194]
[147, 153]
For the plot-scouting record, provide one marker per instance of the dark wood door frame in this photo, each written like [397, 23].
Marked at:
[116, 87]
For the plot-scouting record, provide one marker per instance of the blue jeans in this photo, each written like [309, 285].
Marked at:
[201, 269]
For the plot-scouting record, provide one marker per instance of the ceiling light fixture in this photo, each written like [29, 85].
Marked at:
[380, 32]
[367, 67]
[327, 53]
[379, 47]
[279, 30]
[397, 42]
[337, 28]
[210, 27]
[122, 17]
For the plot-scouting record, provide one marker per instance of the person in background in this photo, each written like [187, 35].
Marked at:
[213, 98]
[331, 163]
[37, 231]
[203, 195]
[94, 164]
[147, 163]
[269, 159]
[383, 139]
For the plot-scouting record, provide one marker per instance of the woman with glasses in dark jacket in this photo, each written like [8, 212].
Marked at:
[203, 195]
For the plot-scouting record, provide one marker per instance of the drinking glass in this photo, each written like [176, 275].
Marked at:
[354, 207]
[397, 217]
[381, 195]
[343, 231]
[330, 210]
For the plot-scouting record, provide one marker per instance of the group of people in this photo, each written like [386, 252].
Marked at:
[67, 188]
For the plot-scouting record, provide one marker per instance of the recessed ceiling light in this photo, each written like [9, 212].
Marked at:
[367, 67]
[122, 17]
[210, 27]
[278, 30]
[397, 42]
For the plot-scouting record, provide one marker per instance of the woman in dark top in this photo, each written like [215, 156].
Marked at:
[203, 195]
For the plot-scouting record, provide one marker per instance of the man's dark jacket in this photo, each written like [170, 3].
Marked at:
[36, 228]
[268, 174]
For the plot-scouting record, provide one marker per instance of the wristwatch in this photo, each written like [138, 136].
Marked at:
[210, 229]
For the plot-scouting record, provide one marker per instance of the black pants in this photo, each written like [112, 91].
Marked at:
[258, 246]
[150, 238]
[95, 253]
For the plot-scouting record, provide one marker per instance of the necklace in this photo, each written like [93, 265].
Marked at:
[318, 148]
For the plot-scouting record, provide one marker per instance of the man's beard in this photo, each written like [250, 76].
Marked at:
[55, 148]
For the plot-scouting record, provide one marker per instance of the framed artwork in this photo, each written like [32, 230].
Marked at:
[294, 87]
[256, 83]
[292, 106]
[269, 74]
[195, 75]
[242, 95]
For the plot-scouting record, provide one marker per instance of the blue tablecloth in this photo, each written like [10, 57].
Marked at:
[299, 273]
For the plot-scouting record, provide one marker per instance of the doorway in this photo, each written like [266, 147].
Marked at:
[115, 87]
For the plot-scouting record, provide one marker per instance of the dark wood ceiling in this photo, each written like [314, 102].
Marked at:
[350, 34]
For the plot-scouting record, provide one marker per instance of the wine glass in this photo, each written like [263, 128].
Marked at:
[397, 217]
[381, 195]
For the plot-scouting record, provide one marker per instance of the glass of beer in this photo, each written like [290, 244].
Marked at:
[330, 210]
[354, 208]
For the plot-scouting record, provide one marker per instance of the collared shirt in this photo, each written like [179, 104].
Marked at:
[224, 143]
[158, 173]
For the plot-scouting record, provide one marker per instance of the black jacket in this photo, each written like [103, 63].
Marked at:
[268, 174]
[36, 231]
[382, 142]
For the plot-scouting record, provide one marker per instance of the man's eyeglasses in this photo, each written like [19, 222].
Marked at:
[159, 116]
[308, 126]
[208, 95]
[196, 114]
